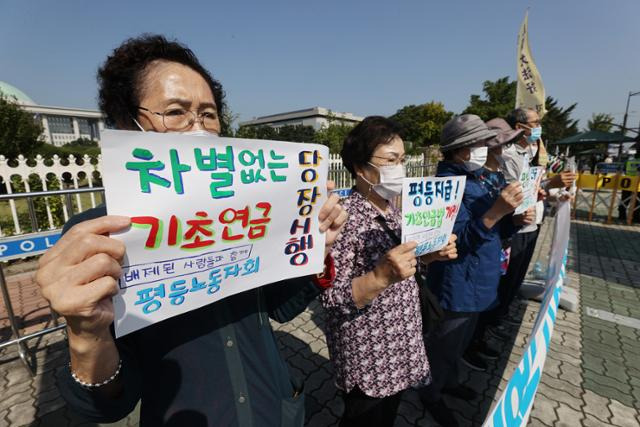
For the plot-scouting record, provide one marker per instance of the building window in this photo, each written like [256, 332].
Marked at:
[60, 124]
[84, 127]
[95, 131]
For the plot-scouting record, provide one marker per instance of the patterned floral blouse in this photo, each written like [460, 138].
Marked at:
[380, 347]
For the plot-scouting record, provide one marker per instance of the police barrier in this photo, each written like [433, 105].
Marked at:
[601, 191]
[515, 403]
[26, 245]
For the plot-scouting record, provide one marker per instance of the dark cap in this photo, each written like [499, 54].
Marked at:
[463, 131]
[505, 133]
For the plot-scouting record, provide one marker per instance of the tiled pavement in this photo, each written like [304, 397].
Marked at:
[591, 376]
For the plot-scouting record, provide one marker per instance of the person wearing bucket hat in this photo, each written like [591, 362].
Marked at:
[522, 245]
[494, 180]
[468, 285]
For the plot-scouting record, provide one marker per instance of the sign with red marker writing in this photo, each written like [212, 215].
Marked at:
[429, 209]
[211, 217]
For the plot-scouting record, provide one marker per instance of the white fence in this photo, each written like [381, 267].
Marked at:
[23, 176]
[39, 174]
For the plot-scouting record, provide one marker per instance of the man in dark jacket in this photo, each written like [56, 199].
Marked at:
[468, 285]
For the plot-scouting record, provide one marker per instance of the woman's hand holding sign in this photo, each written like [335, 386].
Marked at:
[78, 276]
[510, 198]
[448, 253]
[396, 265]
[332, 218]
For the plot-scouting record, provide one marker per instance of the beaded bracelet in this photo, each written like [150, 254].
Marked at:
[96, 385]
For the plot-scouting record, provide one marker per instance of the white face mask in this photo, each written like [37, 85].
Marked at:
[477, 158]
[500, 159]
[390, 185]
[198, 132]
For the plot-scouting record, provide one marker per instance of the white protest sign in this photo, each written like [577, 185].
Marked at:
[211, 217]
[429, 209]
[530, 179]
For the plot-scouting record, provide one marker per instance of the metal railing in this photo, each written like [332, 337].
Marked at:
[16, 337]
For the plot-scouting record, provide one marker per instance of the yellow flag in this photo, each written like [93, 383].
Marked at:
[530, 89]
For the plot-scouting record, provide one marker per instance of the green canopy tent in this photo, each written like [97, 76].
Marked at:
[590, 138]
[594, 137]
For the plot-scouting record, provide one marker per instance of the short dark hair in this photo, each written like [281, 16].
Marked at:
[121, 75]
[519, 115]
[362, 141]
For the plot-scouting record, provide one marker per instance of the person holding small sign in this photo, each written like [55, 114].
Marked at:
[468, 285]
[374, 324]
[516, 157]
[492, 177]
[218, 365]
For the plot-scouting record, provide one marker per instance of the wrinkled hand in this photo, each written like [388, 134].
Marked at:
[396, 265]
[563, 179]
[448, 253]
[565, 196]
[332, 218]
[541, 194]
[528, 217]
[78, 275]
[509, 199]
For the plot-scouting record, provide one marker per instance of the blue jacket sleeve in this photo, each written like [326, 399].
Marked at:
[507, 227]
[471, 232]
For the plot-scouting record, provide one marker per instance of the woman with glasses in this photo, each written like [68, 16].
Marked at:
[218, 365]
[374, 326]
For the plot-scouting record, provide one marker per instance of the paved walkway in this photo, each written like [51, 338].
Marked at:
[591, 376]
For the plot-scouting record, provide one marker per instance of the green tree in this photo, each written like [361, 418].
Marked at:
[256, 132]
[600, 121]
[499, 99]
[296, 133]
[81, 142]
[557, 123]
[291, 133]
[333, 136]
[19, 132]
[421, 124]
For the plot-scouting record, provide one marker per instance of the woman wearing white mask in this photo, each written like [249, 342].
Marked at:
[374, 326]
[468, 285]
[218, 365]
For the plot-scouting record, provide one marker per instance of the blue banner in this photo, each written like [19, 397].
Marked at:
[515, 403]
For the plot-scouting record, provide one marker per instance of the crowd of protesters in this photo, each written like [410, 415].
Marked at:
[394, 321]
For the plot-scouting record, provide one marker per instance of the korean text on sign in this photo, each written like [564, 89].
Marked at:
[207, 215]
[429, 209]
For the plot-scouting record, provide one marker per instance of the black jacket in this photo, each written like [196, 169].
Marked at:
[215, 366]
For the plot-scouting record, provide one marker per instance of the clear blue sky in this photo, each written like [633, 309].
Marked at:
[365, 57]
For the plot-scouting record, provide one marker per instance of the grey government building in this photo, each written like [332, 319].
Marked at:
[60, 125]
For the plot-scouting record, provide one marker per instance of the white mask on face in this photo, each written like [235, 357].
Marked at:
[199, 132]
[500, 159]
[390, 184]
[477, 158]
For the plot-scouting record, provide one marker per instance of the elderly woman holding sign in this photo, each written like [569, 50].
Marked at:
[468, 285]
[373, 309]
[218, 365]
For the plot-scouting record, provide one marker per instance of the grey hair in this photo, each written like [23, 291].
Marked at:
[519, 115]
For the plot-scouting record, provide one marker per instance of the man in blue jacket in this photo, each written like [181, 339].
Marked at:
[467, 286]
